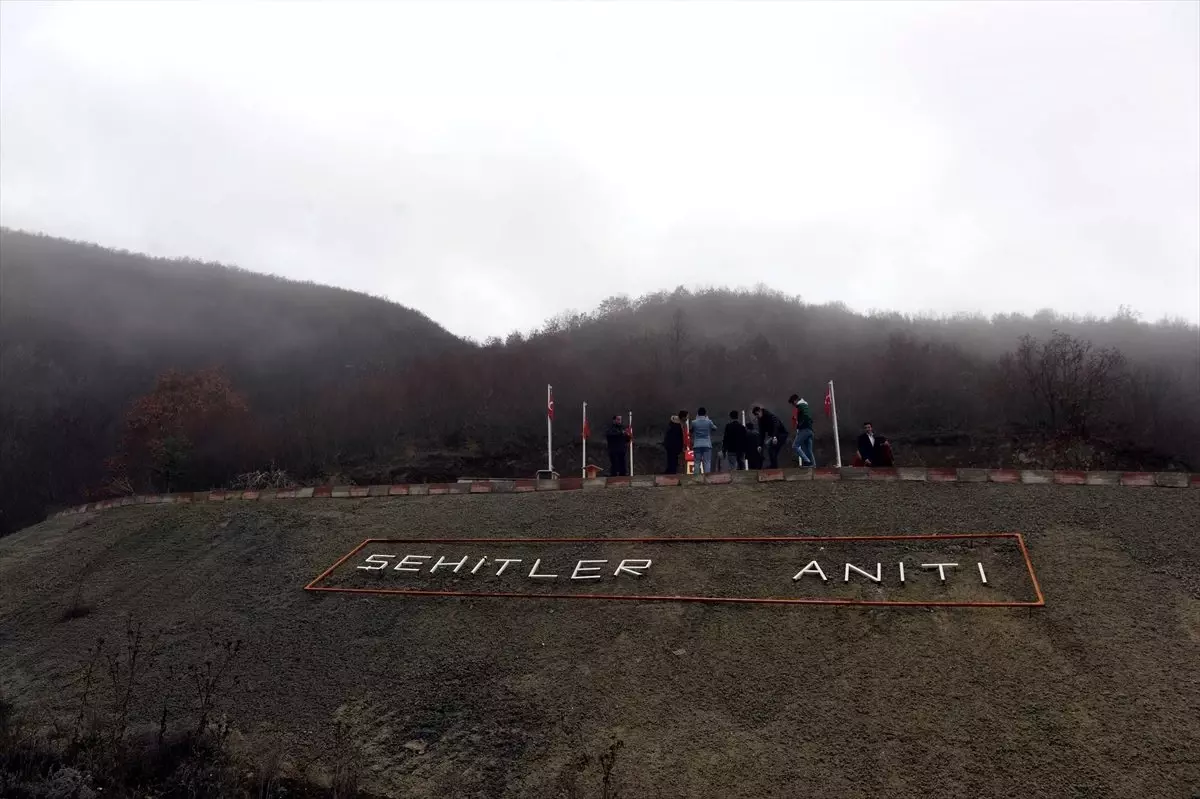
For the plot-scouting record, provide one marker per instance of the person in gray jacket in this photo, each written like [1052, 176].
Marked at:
[702, 433]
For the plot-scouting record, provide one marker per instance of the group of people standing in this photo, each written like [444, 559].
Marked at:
[743, 446]
[753, 445]
[757, 444]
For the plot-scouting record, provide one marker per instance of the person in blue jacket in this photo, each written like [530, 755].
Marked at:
[702, 435]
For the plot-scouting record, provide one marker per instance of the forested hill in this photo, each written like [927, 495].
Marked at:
[326, 384]
[84, 330]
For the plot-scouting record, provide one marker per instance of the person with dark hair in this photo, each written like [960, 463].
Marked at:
[702, 429]
[618, 440]
[754, 459]
[802, 423]
[673, 443]
[771, 435]
[873, 450]
[733, 442]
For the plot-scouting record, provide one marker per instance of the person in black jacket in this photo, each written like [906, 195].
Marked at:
[733, 442]
[754, 459]
[618, 441]
[673, 443]
[772, 435]
[873, 450]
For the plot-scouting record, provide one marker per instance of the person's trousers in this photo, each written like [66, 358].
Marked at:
[616, 460]
[771, 452]
[704, 458]
[733, 460]
[672, 461]
[804, 447]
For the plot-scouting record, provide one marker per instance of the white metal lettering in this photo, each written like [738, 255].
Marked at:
[533, 572]
[812, 568]
[378, 562]
[443, 562]
[504, 564]
[412, 563]
[901, 571]
[578, 573]
[479, 565]
[877, 576]
[627, 567]
[982, 576]
[941, 567]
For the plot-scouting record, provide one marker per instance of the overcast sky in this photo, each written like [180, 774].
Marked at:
[494, 164]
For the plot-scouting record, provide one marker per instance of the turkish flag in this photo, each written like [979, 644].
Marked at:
[828, 400]
[587, 428]
[629, 432]
[549, 402]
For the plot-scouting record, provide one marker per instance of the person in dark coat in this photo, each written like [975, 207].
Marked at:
[673, 443]
[754, 459]
[618, 444]
[772, 435]
[733, 442]
[873, 450]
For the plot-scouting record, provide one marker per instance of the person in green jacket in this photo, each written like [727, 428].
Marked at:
[802, 421]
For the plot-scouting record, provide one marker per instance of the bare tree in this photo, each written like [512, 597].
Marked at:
[1068, 381]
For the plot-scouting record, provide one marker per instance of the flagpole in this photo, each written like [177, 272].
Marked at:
[549, 431]
[837, 446]
[583, 469]
[631, 443]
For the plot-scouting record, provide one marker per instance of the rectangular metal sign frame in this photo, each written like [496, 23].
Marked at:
[1039, 602]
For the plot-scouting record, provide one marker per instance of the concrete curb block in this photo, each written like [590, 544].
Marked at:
[941, 475]
[1068, 477]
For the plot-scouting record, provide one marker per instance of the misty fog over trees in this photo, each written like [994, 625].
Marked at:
[120, 372]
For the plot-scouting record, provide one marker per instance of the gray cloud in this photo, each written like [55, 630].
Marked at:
[492, 165]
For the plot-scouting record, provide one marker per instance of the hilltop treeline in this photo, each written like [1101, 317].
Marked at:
[99, 350]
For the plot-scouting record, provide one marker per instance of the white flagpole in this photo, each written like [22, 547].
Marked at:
[583, 469]
[837, 446]
[549, 432]
[630, 444]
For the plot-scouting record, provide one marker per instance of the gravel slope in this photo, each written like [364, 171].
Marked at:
[1096, 695]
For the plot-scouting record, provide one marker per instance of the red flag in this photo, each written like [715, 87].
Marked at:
[828, 401]
[549, 402]
[629, 432]
[587, 428]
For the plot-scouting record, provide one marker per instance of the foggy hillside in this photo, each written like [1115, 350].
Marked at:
[325, 383]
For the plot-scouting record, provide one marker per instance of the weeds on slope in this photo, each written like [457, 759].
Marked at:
[99, 752]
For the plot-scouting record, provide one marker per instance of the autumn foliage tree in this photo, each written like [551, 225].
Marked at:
[190, 429]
